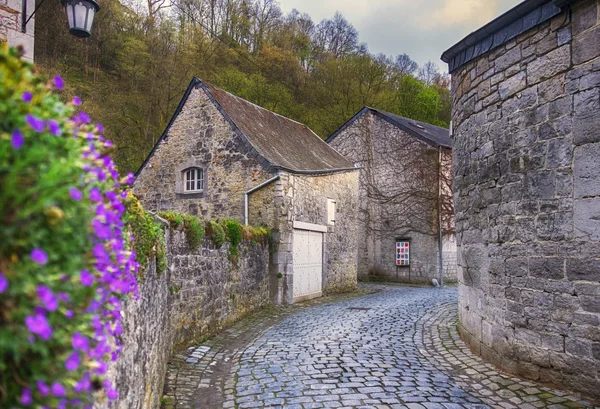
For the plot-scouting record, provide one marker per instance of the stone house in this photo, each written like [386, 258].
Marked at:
[13, 30]
[223, 157]
[404, 177]
[526, 93]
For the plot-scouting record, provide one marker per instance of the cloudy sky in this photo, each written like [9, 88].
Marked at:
[423, 29]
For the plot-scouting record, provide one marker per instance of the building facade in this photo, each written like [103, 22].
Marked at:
[224, 157]
[404, 181]
[13, 30]
[526, 93]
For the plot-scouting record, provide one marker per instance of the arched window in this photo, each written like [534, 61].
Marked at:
[193, 179]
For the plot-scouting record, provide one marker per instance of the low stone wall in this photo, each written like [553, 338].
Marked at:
[147, 342]
[209, 291]
[201, 292]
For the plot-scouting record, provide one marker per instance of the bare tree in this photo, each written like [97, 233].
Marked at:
[266, 16]
[336, 37]
[429, 72]
[404, 182]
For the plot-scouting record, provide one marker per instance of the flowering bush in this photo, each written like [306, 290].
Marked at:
[65, 262]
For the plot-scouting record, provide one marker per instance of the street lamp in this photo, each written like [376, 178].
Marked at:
[80, 14]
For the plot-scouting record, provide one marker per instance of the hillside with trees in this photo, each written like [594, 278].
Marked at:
[134, 69]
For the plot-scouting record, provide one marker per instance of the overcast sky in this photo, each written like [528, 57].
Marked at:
[423, 29]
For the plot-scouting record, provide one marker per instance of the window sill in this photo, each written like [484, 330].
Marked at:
[190, 195]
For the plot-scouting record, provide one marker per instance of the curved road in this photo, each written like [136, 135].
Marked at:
[397, 348]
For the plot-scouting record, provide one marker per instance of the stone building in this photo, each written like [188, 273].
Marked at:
[403, 163]
[223, 157]
[526, 92]
[13, 30]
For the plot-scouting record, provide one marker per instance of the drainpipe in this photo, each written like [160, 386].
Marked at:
[254, 189]
[440, 239]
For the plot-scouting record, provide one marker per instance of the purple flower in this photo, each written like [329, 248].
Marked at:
[72, 362]
[76, 101]
[27, 96]
[38, 324]
[42, 388]
[84, 385]
[101, 230]
[39, 256]
[58, 390]
[75, 194]
[26, 399]
[54, 128]
[3, 283]
[86, 278]
[17, 139]
[35, 123]
[95, 195]
[58, 82]
[112, 394]
[47, 297]
[102, 368]
[69, 314]
[80, 341]
[130, 178]
[100, 128]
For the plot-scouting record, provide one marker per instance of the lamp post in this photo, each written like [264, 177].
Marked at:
[80, 15]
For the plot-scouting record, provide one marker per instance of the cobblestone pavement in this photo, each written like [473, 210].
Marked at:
[397, 348]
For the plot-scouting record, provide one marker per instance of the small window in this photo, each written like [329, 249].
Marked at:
[331, 211]
[403, 252]
[194, 180]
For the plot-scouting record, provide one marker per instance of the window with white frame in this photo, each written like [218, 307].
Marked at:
[193, 179]
[330, 211]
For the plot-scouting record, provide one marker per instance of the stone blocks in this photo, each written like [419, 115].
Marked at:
[539, 242]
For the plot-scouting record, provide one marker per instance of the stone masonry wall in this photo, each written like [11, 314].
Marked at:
[211, 292]
[304, 198]
[200, 293]
[261, 207]
[527, 201]
[11, 15]
[202, 137]
[376, 145]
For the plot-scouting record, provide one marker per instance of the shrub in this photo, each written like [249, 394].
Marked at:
[260, 235]
[215, 232]
[234, 232]
[65, 262]
[194, 232]
[149, 238]
[175, 219]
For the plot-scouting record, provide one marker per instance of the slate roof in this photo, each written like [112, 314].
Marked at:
[277, 141]
[432, 135]
[521, 18]
[283, 142]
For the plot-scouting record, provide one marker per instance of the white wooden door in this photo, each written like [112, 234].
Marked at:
[308, 264]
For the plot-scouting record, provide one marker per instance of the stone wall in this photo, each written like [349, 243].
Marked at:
[303, 198]
[200, 137]
[211, 292]
[200, 293]
[262, 210]
[386, 155]
[11, 23]
[527, 201]
[147, 341]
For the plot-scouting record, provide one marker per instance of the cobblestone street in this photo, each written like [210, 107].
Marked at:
[396, 348]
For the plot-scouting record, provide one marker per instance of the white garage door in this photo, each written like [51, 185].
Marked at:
[308, 264]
